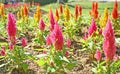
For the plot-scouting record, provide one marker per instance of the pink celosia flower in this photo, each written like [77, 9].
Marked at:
[109, 47]
[52, 20]
[11, 46]
[3, 51]
[24, 42]
[11, 28]
[67, 53]
[48, 40]
[41, 24]
[92, 28]
[98, 55]
[57, 37]
[44, 52]
[116, 58]
[68, 43]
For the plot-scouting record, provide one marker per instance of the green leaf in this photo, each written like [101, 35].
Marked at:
[70, 65]
[65, 59]
[41, 62]
[94, 70]
[25, 66]
[2, 65]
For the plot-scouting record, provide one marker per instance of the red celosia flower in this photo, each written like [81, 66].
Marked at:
[25, 10]
[67, 53]
[52, 21]
[61, 8]
[57, 15]
[41, 24]
[11, 28]
[68, 43]
[76, 11]
[92, 28]
[115, 13]
[57, 37]
[96, 5]
[94, 11]
[109, 47]
[80, 10]
[24, 42]
[98, 55]
[3, 51]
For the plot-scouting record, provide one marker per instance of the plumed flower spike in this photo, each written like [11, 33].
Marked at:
[115, 13]
[98, 55]
[24, 42]
[67, 13]
[25, 11]
[61, 8]
[68, 43]
[2, 51]
[57, 37]
[52, 20]
[41, 25]
[80, 10]
[109, 46]
[76, 12]
[11, 28]
[57, 15]
[92, 28]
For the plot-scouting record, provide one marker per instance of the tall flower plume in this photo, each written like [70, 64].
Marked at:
[109, 46]
[2, 51]
[52, 20]
[115, 10]
[57, 37]
[67, 13]
[80, 10]
[115, 13]
[37, 14]
[98, 55]
[76, 12]
[92, 28]
[104, 19]
[24, 42]
[41, 24]
[61, 8]
[68, 43]
[25, 11]
[2, 10]
[22, 11]
[11, 27]
[57, 15]
[94, 11]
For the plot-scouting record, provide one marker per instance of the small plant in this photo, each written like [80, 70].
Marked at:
[14, 55]
[56, 57]
[109, 65]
